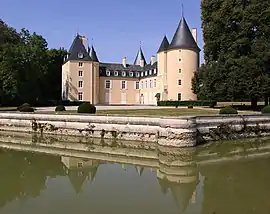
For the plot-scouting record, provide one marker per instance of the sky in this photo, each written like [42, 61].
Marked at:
[115, 27]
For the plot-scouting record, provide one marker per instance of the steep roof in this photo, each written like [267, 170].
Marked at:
[183, 38]
[78, 51]
[164, 45]
[93, 54]
[139, 57]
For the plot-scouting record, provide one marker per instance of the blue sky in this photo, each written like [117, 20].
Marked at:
[116, 26]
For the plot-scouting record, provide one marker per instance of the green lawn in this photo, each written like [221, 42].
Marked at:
[158, 112]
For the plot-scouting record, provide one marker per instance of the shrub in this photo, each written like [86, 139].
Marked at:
[266, 110]
[60, 108]
[25, 105]
[190, 106]
[228, 110]
[86, 108]
[27, 109]
[187, 103]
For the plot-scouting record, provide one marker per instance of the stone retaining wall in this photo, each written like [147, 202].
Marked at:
[165, 131]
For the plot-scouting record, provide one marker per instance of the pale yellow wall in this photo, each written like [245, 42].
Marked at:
[65, 71]
[189, 64]
[115, 92]
[90, 80]
[162, 74]
[147, 94]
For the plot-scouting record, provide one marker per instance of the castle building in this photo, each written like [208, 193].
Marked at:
[167, 76]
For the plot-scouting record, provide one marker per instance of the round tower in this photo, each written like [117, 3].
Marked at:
[182, 63]
[162, 69]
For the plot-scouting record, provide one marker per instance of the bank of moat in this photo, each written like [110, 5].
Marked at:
[166, 131]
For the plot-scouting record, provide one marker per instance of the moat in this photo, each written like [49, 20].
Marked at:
[220, 178]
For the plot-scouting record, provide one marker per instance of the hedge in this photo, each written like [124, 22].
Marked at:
[228, 110]
[266, 110]
[210, 103]
[86, 108]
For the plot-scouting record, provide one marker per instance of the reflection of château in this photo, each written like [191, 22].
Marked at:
[79, 170]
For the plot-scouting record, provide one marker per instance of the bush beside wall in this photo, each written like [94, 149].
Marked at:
[266, 110]
[228, 110]
[86, 108]
[210, 103]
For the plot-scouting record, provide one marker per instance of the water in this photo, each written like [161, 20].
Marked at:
[34, 183]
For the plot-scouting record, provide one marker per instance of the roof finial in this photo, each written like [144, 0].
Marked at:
[183, 10]
[92, 41]
[140, 44]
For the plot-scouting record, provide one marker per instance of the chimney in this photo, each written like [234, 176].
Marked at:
[124, 62]
[153, 59]
[84, 41]
[194, 34]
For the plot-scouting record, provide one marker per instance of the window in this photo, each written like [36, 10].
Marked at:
[155, 71]
[142, 74]
[116, 73]
[137, 74]
[179, 82]
[155, 83]
[145, 83]
[150, 72]
[180, 60]
[179, 96]
[123, 85]
[80, 165]
[180, 70]
[145, 73]
[123, 73]
[80, 73]
[137, 85]
[107, 84]
[131, 74]
[141, 84]
[80, 84]
[151, 83]
[80, 96]
[80, 64]
[108, 73]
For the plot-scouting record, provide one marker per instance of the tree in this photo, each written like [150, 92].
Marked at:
[237, 50]
[29, 71]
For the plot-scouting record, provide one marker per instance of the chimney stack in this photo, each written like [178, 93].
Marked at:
[124, 62]
[153, 59]
[194, 34]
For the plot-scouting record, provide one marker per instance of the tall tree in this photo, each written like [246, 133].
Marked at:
[237, 39]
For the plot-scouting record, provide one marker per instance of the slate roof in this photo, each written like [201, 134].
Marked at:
[164, 45]
[115, 68]
[93, 54]
[77, 48]
[139, 57]
[183, 38]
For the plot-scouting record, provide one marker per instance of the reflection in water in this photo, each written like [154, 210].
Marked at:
[38, 183]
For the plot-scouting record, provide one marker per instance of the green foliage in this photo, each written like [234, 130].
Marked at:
[27, 109]
[237, 51]
[86, 108]
[60, 108]
[266, 110]
[228, 110]
[25, 105]
[187, 103]
[27, 65]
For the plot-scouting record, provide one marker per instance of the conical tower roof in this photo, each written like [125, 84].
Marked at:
[164, 45]
[93, 54]
[78, 51]
[183, 38]
[139, 57]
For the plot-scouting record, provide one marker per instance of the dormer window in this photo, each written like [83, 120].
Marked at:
[137, 74]
[145, 73]
[124, 73]
[108, 73]
[80, 55]
[155, 71]
[142, 74]
[116, 73]
[150, 72]
[131, 74]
